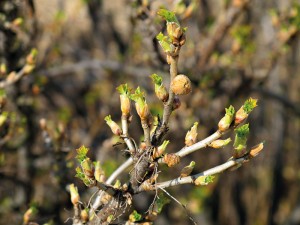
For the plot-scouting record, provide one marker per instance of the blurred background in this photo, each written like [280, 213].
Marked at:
[86, 48]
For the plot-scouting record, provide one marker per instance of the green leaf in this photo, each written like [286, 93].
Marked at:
[156, 79]
[81, 153]
[168, 15]
[161, 201]
[135, 216]
[124, 89]
[230, 111]
[249, 105]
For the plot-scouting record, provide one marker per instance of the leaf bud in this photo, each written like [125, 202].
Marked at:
[171, 159]
[124, 99]
[115, 128]
[191, 136]
[226, 121]
[159, 88]
[181, 85]
[220, 143]
[240, 141]
[242, 114]
[29, 214]
[31, 58]
[204, 180]
[84, 215]
[88, 168]
[256, 150]
[141, 104]
[3, 69]
[161, 149]
[75, 198]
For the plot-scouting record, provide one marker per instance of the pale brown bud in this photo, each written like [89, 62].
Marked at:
[74, 194]
[181, 85]
[171, 159]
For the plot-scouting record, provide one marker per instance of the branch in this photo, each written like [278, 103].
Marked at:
[13, 77]
[125, 136]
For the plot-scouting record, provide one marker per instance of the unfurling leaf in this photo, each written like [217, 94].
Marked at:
[204, 180]
[226, 121]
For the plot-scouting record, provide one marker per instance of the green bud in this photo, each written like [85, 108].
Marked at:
[75, 198]
[160, 89]
[87, 168]
[240, 142]
[204, 180]
[244, 111]
[161, 149]
[191, 136]
[124, 99]
[220, 143]
[226, 121]
[166, 43]
[113, 125]
[141, 104]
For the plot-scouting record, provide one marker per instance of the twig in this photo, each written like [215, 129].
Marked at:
[125, 136]
[11, 79]
[199, 145]
[215, 170]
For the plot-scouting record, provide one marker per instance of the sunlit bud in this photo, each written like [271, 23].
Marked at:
[226, 121]
[124, 99]
[17, 22]
[143, 146]
[240, 141]
[117, 184]
[29, 214]
[84, 215]
[174, 30]
[110, 218]
[99, 172]
[43, 124]
[166, 43]
[87, 168]
[161, 149]
[140, 104]
[204, 180]
[220, 143]
[31, 58]
[75, 198]
[11, 76]
[256, 150]
[187, 170]
[28, 68]
[242, 114]
[135, 216]
[3, 69]
[160, 89]
[176, 103]
[115, 128]
[169, 59]
[191, 136]
[171, 159]
[181, 85]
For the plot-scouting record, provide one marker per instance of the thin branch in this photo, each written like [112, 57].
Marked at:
[197, 146]
[125, 136]
[215, 170]
[13, 78]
